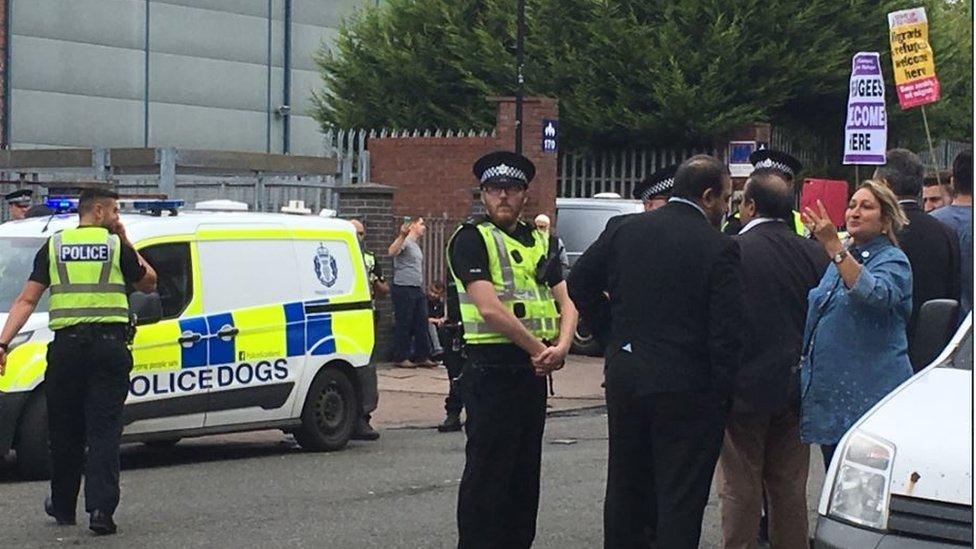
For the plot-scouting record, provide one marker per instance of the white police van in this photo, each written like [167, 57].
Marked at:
[261, 321]
[902, 476]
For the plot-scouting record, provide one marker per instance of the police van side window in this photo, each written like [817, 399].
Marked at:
[175, 275]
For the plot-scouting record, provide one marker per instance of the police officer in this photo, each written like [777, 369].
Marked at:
[656, 189]
[787, 166]
[509, 285]
[88, 363]
[18, 202]
[367, 376]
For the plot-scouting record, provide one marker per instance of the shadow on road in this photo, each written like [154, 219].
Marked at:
[202, 450]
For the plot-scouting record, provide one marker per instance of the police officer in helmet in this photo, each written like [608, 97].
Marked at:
[518, 324]
[88, 362]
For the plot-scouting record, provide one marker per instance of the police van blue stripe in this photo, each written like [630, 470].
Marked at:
[195, 355]
[220, 351]
[295, 328]
[318, 328]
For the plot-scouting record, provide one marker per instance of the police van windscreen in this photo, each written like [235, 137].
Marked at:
[16, 264]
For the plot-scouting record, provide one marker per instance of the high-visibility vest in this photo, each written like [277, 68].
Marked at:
[512, 266]
[87, 285]
[370, 260]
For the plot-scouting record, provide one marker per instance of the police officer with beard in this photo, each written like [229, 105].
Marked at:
[518, 324]
[88, 363]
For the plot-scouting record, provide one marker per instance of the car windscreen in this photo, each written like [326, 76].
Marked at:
[962, 359]
[16, 264]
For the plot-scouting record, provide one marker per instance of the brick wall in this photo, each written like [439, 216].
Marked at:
[433, 174]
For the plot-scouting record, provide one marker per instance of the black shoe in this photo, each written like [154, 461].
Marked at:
[452, 424]
[62, 520]
[365, 431]
[102, 524]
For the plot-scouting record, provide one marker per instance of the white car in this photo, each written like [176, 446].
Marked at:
[903, 475]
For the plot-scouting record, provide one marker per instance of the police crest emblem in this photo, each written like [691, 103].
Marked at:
[326, 268]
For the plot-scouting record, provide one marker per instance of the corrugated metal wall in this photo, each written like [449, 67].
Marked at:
[78, 72]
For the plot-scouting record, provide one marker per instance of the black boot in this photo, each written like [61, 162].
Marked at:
[452, 423]
[365, 431]
[101, 523]
[62, 520]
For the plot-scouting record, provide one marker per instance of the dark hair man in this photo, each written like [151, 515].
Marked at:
[936, 191]
[762, 445]
[88, 363]
[959, 218]
[931, 248]
[518, 325]
[787, 166]
[673, 348]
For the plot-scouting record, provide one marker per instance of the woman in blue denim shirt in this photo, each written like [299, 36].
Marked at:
[856, 351]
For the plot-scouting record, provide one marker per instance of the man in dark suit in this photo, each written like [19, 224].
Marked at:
[762, 445]
[931, 247]
[673, 348]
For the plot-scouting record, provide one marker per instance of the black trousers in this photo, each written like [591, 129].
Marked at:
[498, 499]
[454, 363]
[663, 451]
[87, 380]
[410, 337]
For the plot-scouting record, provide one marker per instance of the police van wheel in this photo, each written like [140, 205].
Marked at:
[33, 457]
[329, 416]
[584, 343]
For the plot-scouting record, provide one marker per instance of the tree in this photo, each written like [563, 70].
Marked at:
[634, 72]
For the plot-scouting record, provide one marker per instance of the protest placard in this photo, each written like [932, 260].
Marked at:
[866, 131]
[912, 58]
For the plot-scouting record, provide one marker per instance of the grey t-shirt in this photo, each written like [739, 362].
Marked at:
[408, 265]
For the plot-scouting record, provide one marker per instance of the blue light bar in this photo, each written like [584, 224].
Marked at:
[152, 206]
[62, 205]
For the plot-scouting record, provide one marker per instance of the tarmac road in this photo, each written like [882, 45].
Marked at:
[261, 490]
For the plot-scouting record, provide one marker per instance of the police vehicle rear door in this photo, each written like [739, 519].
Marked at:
[248, 275]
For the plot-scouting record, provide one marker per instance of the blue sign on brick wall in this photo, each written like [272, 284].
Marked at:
[550, 135]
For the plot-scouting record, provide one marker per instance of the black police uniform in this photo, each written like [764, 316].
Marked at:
[86, 383]
[498, 500]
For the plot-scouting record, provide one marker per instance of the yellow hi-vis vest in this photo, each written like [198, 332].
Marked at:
[512, 266]
[86, 278]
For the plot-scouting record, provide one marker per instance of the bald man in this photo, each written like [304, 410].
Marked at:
[367, 375]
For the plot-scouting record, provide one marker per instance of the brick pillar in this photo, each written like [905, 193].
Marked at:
[542, 190]
[372, 204]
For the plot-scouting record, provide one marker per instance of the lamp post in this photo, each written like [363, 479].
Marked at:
[519, 65]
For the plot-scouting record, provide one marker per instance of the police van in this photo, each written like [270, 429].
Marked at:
[260, 321]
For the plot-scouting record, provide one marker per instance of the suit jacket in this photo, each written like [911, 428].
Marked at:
[933, 251]
[675, 298]
[779, 268]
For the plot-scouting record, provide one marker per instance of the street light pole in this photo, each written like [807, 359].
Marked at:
[520, 79]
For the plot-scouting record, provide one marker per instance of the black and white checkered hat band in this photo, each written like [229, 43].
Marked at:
[503, 170]
[658, 188]
[769, 163]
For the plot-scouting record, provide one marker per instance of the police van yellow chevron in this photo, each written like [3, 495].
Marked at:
[265, 322]
[512, 268]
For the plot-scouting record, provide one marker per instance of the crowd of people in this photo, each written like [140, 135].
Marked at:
[734, 342]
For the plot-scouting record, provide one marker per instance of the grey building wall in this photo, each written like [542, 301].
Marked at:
[78, 72]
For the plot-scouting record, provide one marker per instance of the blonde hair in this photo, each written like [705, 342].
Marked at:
[891, 210]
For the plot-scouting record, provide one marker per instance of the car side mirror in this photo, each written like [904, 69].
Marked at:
[936, 323]
[146, 308]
